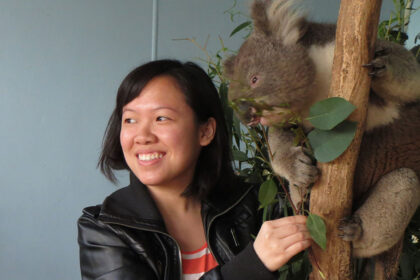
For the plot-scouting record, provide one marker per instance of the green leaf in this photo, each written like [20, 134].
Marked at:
[284, 273]
[266, 172]
[328, 113]
[283, 268]
[297, 266]
[317, 229]
[406, 267]
[239, 155]
[267, 193]
[240, 27]
[236, 129]
[330, 144]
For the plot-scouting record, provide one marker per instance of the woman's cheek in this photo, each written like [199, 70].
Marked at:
[125, 139]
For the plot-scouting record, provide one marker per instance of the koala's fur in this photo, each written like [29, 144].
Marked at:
[288, 59]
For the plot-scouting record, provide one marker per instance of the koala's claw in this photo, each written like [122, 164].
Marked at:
[350, 228]
[377, 66]
[381, 52]
[305, 172]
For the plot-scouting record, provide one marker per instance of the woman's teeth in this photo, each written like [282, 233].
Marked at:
[146, 157]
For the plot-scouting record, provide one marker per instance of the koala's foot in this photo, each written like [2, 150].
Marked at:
[350, 228]
[386, 212]
[301, 169]
[377, 66]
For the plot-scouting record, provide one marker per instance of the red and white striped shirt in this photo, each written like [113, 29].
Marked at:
[196, 263]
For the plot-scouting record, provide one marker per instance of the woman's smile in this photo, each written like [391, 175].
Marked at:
[148, 159]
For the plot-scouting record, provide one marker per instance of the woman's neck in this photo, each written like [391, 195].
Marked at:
[173, 202]
[182, 217]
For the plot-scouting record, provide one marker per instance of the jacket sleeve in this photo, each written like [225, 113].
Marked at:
[104, 256]
[245, 265]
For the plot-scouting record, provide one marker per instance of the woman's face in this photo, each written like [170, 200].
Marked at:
[160, 137]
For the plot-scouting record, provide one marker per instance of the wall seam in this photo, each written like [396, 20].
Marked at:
[154, 29]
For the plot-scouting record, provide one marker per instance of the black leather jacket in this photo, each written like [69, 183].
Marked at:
[125, 237]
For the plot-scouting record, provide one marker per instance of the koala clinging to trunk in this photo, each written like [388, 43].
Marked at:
[288, 60]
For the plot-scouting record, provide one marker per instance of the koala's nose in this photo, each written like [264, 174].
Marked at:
[246, 111]
[244, 106]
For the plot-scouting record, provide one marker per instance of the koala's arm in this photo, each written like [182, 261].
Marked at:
[382, 219]
[395, 73]
[291, 162]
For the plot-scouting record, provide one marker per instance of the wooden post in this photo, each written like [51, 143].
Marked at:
[331, 197]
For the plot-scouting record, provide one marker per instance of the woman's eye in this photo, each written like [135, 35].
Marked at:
[161, 118]
[128, 120]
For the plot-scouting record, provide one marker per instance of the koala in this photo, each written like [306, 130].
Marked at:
[282, 69]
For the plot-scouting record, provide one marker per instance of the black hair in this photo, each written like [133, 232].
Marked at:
[214, 162]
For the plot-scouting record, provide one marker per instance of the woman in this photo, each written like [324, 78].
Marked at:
[184, 214]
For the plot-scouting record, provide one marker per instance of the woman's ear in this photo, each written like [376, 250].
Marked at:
[207, 132]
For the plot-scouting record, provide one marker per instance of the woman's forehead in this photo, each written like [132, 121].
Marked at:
[160, 93]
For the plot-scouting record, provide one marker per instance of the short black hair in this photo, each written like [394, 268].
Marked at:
[214, 162]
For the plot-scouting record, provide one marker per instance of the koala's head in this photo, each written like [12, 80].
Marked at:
[271, 70]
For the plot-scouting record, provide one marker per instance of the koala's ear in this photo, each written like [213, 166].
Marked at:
[228, 66]
[288, 21]
[259, 16]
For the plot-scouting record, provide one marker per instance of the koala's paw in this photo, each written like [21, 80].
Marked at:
[378, 66]
[297, 167]
[350, 228]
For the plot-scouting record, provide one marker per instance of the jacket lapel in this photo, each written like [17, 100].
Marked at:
[132, 205]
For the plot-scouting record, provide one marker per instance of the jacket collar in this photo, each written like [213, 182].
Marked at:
[133, 205]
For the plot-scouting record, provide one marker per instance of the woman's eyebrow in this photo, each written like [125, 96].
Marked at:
[127, 110]
[165, 108]
[153, 109]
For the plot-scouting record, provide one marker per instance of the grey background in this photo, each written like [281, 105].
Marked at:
[61, 63]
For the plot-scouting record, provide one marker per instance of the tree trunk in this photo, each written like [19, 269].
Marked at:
[331, 197]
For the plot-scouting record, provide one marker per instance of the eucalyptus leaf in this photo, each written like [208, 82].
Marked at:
[330, 144]
[237, 129]
[317, 229]
[328, 113]
[240, 27]
[266, 172]
[253, 134]
[239, 155]
[267, 193]
[406, 267]
[417, 265]
[228, 112]
[284, 272]
[297, 266]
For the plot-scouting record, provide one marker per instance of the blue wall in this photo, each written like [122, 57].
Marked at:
[61, 63]
[414, 27]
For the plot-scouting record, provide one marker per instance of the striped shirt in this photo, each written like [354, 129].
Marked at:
[196, 263]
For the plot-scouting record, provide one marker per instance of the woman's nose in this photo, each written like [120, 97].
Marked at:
[145, 135]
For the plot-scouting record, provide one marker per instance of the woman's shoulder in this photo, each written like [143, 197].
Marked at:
[93, 211]
[90, 214]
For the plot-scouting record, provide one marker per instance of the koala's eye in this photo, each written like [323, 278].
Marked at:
[254, 80]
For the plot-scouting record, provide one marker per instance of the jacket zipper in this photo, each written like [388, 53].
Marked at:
[161, 232]
[218, 215]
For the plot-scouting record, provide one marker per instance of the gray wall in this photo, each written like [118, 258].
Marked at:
[61, 63]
